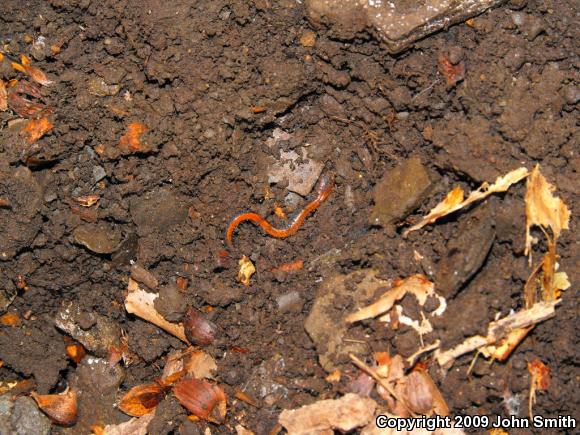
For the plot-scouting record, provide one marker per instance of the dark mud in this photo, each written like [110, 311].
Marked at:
[213, 80]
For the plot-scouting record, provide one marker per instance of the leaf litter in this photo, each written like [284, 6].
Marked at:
[412, 391]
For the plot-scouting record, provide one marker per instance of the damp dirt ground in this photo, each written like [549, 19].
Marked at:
[227, 87]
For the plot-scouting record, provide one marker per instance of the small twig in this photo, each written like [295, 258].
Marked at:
[373, 373]
[413, 358]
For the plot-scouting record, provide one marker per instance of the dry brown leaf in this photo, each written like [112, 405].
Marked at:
[3, 96]
[200, 365]
[247, 269]
[417, 285]
[140, 303]
[543, 209]
[61, 408]
[202, 398]
[439, 406]
[33, 72]
[347, 413]
[142, 399]
[35, 129]
[131, 140]
[454, 200]
[135, 426]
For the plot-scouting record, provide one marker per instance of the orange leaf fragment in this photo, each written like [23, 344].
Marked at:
[33, 72]
[202, 398]
[540, 380]
[540, 374]
[142, 399]
[131, 140]
[36, 128]
[76, 352]
[278, 211]
[60, 408]
[10, 319]
[289, 267]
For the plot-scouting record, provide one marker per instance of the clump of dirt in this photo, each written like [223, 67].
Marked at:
[230, 91]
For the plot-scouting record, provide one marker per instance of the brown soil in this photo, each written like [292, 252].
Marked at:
[212, 80]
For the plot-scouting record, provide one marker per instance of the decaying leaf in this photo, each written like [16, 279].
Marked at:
[60, 408]
[540, 380]
[36, 128]
[454, 200]
[497, 331]
[131, 140]
[202, 398]
[543, 209]
[142, 399]
[3, 96]
[31, 71]
[347, 413]
[140, 303]
[417, 285]
[135, 426]
[191, 362]
[247, 269]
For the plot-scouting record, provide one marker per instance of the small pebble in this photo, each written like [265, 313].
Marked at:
[98, 173]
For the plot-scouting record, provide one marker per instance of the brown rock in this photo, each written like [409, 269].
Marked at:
[399, 192]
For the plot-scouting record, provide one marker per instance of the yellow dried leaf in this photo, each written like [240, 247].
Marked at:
[247, 269]
[543, 209]
[454, 200]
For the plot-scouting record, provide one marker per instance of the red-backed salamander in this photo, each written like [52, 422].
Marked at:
[323, 189]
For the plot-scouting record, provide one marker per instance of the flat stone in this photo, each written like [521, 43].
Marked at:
[100, 238]
[27, 419]
[398, 23]
[326, 323]
[298, 170]
[399, 192]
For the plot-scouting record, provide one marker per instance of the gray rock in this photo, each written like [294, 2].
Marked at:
[27, 419]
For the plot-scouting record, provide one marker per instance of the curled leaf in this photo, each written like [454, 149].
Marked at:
[60, 408]
[142, 399]
[202, 398]
[33, 72]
